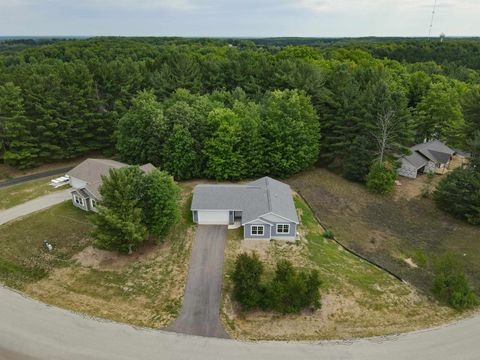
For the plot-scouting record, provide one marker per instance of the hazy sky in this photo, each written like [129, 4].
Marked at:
[320, 18]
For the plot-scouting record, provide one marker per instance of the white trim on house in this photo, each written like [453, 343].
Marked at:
[258, 219]
[281, 217]
[93, 203]
[192, 209]
[257, 230]
[79, 200]
[269, 222]
[283, 229]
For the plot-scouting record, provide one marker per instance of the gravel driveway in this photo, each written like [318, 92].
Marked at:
[200, 312]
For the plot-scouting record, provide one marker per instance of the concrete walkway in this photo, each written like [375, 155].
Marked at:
[40, 203]
[200, 312]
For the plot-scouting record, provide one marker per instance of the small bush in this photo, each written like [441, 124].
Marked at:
[290, 290]
[451, 285]
[381, 178]
[247, 289]
[328, 234]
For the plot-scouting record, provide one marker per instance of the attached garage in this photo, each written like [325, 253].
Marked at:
[213, 217]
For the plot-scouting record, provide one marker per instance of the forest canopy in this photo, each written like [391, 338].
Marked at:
[231, 108]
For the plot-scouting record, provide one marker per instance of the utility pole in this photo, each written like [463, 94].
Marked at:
[431, 21]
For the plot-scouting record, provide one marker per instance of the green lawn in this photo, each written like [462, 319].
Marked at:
[20, 193]
[390, 229]
[358, 299]
[145, 288]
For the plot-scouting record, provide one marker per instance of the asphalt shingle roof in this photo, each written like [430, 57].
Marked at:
[260, 197]
[92, 170]
[434, 150]
[416, 159]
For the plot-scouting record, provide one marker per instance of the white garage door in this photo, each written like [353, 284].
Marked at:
[213, 217]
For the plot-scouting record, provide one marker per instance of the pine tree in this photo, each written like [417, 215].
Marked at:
[17, 137]
[119, 218]
[471, 111]
[159, 202]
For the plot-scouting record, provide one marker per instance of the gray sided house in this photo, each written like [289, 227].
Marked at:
[86, 179]
[264, 208]
[430, 157]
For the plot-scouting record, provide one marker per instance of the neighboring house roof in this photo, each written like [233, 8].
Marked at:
[462, 153]
[416, 160]
[92, 170]
[434, 150]
[256, 199]
[435, 145]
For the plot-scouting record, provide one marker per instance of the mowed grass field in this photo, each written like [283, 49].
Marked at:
[401, 232]
[358, 299]
[145, 288]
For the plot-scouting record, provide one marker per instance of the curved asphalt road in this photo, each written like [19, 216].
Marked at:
[22, 179]
[32, 330]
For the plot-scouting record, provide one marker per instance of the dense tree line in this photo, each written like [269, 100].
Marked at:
[222, 136]
[235, 108]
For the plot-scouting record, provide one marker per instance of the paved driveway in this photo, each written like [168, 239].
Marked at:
[200, 312]
[40, 203]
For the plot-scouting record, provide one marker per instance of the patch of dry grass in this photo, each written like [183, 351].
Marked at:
[145, 288]
[390, 229]
[358, 299]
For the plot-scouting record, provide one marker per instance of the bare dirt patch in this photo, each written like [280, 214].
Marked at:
[111, 260]
[410, 263]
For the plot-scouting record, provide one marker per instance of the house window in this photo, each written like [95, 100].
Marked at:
[283, 228]
[257, 230]
[78, 200]
[94, 203]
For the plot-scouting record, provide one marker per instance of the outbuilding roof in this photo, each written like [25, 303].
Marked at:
[260, 197]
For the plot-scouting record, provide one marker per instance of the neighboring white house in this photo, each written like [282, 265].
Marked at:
[264, 208]
[86, 179]
[428, 157]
